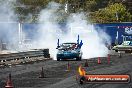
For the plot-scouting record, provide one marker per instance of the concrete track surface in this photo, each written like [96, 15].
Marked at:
[57, 76]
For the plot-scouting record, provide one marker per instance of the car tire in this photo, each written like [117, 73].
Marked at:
[58, 59]
[116, 50]
[78, 58]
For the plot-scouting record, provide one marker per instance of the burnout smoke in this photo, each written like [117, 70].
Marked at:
[8, 25]
[49, 32]
[94, 41]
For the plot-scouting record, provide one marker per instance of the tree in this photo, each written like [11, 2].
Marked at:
[29, 8]
[112, 13]
[100, 10]
[90, 5]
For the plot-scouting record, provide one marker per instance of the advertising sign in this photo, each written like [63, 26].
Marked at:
[128, 30]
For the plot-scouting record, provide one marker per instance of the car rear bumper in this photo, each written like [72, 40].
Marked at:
[67, 56]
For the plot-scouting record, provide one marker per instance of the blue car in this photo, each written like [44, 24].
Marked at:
[69, 51]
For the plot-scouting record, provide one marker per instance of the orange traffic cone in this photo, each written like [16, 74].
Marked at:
[99, 60]
[68, 66]
[42, 73]
[9, 82]
[108, 58]
[86, 63]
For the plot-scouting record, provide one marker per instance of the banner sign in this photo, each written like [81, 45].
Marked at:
[128, 30]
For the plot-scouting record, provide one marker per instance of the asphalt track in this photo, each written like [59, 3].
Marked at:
[57, 76]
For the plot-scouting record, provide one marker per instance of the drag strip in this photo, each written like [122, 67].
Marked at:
[57, 75]
[116, 69]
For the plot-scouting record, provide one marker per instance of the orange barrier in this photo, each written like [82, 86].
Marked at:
[99, 60]
[9, 82]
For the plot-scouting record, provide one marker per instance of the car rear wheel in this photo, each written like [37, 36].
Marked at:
[116, 50]
[58, 59]
[78, 58]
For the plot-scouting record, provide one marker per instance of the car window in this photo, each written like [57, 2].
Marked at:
[68, 46]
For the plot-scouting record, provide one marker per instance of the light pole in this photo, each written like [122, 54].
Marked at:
[117, 17]
[116, 41]
[20, 34]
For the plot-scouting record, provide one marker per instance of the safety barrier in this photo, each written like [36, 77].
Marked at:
[24, 57]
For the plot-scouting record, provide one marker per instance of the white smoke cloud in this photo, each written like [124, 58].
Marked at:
[6, 11]
[9, 25]
[94, 41]
[49, 31]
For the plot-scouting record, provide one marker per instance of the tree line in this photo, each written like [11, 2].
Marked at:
[98, 11]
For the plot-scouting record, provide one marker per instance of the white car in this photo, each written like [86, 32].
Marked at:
[125, 46]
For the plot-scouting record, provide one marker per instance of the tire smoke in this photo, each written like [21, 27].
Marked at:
[49, 31]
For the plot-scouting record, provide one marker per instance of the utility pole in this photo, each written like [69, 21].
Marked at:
[116, 40]
[20, 33]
